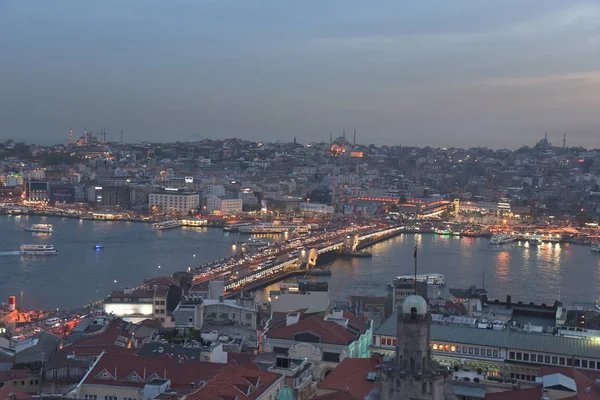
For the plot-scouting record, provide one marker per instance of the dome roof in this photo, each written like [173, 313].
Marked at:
[285, 393]
[414, 301]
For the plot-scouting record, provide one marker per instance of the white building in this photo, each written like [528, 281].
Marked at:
[316, 208]
[214, 190]
[225, 205]
[174, 200]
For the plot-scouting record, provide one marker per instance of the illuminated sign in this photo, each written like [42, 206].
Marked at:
[98, 188]
[128, 309]
[189, 179]
[357, 154]
[172, 189]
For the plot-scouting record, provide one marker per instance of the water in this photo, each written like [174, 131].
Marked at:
[79, 274]
[540, 274]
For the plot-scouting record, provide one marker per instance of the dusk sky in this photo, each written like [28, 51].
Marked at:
[445, 73]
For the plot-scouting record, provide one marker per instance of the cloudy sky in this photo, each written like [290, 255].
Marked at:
[496, 73]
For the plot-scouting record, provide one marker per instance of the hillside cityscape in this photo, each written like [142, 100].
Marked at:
[201, 333]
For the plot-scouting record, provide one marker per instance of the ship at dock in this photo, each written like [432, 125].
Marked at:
[166, 225]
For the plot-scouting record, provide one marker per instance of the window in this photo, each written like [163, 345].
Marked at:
[224, 315]
[561, 361]
[110, 397]
[554, 360]
[496, 353]
[331, 357]
[464, 349]
[90, 397]
[570, 362]
[577, 362]
[470, 350]
[157, 303]
[525, 356]
[435, 346]
[190, 320]
[593, 364]
[540, 358]
[248, 316]
[532, 357]
[447, 347]
[453, 349]
[489, 352]
[584, 364]
[546, 359]
[519, 356]
[476, 351]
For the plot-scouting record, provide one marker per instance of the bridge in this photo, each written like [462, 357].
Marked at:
[307, 259]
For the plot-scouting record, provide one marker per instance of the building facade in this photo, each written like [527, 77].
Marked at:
[174, 201]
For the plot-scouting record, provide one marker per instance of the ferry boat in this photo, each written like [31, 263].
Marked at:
[595, 247]
[40, 228]
[38, 250]
[166, 225]
[257, 242]
[98, 246]
[235, 227]
[499, 240]
[431, 279]
[534, 241]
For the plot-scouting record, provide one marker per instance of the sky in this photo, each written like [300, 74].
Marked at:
[496, 73]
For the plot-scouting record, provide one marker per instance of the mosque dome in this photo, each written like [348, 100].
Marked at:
[285, 393]
[416, 302]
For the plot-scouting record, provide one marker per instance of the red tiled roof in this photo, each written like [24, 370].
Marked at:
[337, 396]
[6, 391]
[521, 394]
[583, 379]
[240, 359]
[136, 294]
[361, 323]
[108, 337]
[161, 281]
[121, 366]
[13, 374]
[97, 350]
[247, 383]
[351, 375]
[329, 331]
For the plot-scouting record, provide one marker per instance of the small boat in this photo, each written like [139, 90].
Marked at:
[98, 246]
[40, 228]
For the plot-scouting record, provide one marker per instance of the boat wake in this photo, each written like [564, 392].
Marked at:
[9, 253]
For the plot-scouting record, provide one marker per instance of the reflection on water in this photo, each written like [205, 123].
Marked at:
[133, 251]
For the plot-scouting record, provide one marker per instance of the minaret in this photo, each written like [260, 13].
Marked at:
[121, 137]
[294, 140]
[344, 134]
[71, 135]
[330, 139]
[564, 140]
[354, 140]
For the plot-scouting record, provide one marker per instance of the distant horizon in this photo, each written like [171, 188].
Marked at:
[497, 73]
[50, 142]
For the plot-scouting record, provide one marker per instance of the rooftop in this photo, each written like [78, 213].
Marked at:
[351, 376]
[550, 344]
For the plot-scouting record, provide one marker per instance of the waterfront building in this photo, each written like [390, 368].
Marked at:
[37, 191]
[224, 204]
[324, 340]
[174, 200]
[313, 297]
[508, 353]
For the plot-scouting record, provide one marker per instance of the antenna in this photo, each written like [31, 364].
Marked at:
[415, 255]
[564, 140]
[121, 137]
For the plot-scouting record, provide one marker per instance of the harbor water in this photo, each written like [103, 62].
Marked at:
[134, 251]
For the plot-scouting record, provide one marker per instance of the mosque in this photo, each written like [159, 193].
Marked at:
[342, 146]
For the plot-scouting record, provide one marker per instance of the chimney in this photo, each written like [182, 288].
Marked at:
[508, 301]
[292, 318]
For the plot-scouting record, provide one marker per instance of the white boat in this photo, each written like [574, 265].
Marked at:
[595, 247]
[40, 228]
[501, 239]
[431, 279]
[166, 224]
[257, 242]
[38, 250]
